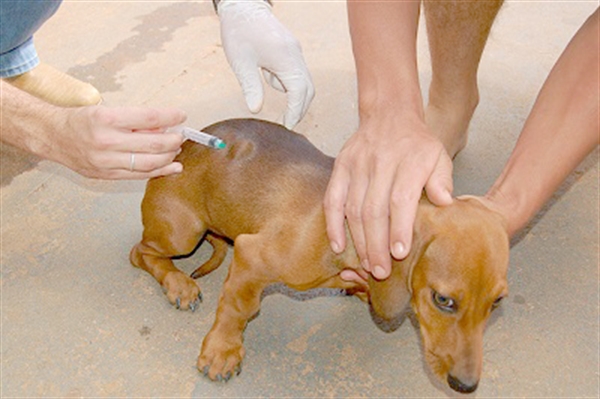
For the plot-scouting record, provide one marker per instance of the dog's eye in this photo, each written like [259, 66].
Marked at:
[444, 303]
[497, 302]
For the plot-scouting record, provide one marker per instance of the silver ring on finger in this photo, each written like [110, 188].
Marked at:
[132, 162]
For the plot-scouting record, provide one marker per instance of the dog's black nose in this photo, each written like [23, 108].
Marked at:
[460, 386]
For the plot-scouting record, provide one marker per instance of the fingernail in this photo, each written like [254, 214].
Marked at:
[178, 168]
[398, 250]
[379, 272]
[335, 247]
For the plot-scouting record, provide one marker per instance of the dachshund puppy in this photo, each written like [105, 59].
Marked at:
[264, 193]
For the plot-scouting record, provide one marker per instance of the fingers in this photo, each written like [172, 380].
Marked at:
[142, 142]
[333, 204]
[273, 81]
[299, 97]
[431, 170]
[248, 76]
[138, 118]
[300, 92]
[122, 174]
[377, 185]
[357, 189]
[253, 40]
[376, 220]
[356, 276]
[439, 187]
[110, 143]
[404, 201]
[143, 162]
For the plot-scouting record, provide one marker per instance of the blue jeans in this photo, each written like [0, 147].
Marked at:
[19, 20]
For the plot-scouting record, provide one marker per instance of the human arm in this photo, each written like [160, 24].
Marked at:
[381, 171]
[255, 40]
[95, 141]
[562, 128]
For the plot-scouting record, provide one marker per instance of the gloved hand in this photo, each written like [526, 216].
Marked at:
[254, 38]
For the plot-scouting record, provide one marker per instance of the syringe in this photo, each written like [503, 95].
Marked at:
[199, 137]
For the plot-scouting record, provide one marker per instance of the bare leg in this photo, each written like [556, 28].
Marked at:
[457, 33]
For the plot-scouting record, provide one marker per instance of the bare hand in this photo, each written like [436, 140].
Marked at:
[377, 181]
[119, 143]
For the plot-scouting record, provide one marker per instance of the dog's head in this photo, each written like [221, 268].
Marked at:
[454, 278]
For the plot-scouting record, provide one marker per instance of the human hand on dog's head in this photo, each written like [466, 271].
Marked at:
[376, 184]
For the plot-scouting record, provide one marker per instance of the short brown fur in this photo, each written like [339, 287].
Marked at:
[264, 193]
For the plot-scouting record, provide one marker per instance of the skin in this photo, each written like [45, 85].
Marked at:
[95, 141]
[382, 169]
[402, 148]
[562, 129]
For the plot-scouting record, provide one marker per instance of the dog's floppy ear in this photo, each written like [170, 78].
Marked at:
[390, 298]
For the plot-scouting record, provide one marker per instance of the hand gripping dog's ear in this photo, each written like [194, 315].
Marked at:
[390, 298]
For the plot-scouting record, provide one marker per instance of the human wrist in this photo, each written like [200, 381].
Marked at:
[511, 207]
[400, 111]
[28, 122]
[378, 94]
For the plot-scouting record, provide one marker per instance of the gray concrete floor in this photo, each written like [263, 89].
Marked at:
[78, 320]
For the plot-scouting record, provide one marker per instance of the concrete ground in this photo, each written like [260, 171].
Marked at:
[79, 321]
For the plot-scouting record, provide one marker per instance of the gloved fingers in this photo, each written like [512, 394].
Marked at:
[272, 80]
[300, 93]
[248, 77]
[297, 104]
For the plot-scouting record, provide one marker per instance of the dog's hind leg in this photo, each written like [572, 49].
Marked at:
[169, 231]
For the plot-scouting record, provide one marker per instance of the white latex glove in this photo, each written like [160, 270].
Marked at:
[253, 39]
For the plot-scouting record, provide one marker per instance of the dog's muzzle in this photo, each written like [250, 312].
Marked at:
[459, 386]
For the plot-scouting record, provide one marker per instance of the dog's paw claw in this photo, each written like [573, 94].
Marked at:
[181, 291]
[238, 370]
[205, 370]
[200, 297]
[196, 304]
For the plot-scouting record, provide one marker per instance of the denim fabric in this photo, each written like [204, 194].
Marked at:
[19, 20]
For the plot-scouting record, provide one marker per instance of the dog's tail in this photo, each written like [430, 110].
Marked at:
[220, 247]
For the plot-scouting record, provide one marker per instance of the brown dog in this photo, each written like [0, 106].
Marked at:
[264, 192]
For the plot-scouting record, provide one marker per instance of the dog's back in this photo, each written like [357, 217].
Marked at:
[264, 173]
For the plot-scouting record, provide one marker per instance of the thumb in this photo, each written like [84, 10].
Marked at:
[440, 185]
[248, 77]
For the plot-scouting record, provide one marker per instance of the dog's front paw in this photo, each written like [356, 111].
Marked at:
[182, 291]
[220, 360]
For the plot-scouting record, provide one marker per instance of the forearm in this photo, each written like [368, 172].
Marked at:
[561, 130]
[27, 122]
[384, 45]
